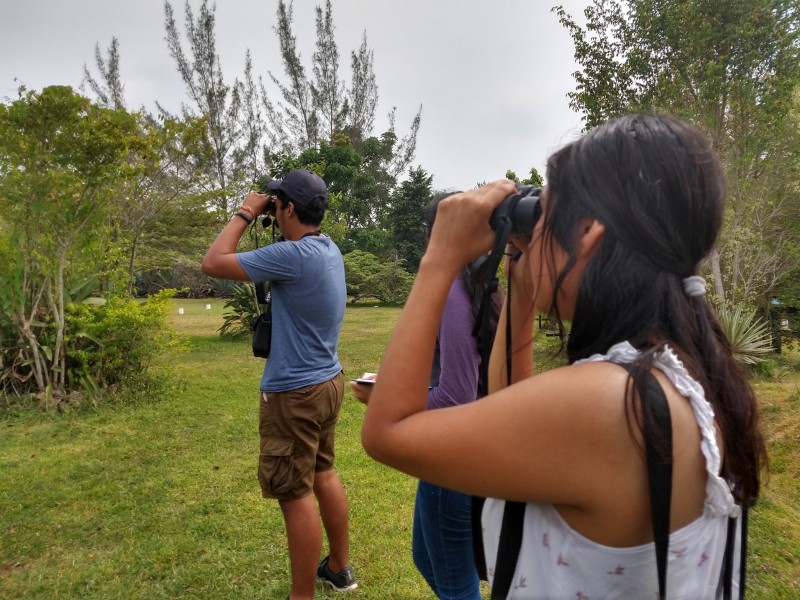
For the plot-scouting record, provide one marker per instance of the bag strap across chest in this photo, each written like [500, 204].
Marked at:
[657, 426]
[659, 473]
[658, 448]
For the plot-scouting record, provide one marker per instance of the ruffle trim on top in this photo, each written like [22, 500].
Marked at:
[719, 501]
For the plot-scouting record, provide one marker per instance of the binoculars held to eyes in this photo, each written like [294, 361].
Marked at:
[520, 210]
[516, 215]
[261, 188]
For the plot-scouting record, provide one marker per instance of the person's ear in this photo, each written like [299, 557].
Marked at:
[591, 235]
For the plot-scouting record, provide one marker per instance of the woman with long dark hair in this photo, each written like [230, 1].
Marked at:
[629, 213]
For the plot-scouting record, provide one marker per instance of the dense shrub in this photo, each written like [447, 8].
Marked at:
[367, 276]
[109, 343]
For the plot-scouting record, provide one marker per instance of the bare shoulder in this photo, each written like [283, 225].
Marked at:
[579, 391]
[593, 394]
[563, 433]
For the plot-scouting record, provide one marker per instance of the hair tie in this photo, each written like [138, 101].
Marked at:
[694, 286]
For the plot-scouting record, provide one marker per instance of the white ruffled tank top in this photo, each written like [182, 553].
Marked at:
[556, 562]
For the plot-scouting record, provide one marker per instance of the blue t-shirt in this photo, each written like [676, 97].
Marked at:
[308, 301]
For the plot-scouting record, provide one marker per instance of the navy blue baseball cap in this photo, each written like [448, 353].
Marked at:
[301, 186]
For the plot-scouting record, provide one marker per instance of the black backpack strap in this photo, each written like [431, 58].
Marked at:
[727, 563]
[478, 553]
[743, 553]
[657, 425]
[508, 549]
[511, 528]
[261, 292]
[659, 474]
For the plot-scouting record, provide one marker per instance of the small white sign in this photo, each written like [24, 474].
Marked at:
[180, 311]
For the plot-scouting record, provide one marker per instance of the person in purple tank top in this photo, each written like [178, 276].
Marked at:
[442, 534]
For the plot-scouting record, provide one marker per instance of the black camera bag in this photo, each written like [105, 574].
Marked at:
[262, 327]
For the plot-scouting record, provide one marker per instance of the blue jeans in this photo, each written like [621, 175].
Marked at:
[442, 542]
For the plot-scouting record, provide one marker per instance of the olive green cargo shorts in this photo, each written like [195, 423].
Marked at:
[296, 430]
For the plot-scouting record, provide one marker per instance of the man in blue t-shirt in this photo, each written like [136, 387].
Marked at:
[302, 385]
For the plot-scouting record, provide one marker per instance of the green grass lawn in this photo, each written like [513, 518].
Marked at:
[158, 498]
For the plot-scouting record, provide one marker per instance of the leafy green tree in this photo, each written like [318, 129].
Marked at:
[733, 69]
[161, 215]
[534, 179]
[62, 160]
[368, 276]
[407, 217]
[787, 293]
[359, 189]
[375, 193]
[348, 173]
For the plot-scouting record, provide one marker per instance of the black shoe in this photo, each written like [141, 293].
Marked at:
[343, 581]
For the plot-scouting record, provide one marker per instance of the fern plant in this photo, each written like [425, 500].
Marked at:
[748, 335]
[240, 311]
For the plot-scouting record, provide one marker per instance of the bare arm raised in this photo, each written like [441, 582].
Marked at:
[508, 442]
[220, 259]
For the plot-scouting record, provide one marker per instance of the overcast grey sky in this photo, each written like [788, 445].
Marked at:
[492, 77]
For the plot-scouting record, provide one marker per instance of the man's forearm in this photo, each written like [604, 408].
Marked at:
[220, 259]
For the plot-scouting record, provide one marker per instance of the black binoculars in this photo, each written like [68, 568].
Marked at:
[517, 214]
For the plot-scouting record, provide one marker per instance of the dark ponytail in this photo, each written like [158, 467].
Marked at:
[657, 186]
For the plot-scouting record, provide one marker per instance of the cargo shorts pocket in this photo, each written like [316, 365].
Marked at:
[276, 466]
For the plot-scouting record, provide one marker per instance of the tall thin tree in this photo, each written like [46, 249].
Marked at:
[362, 95]
[295, 116]
[219, 103]
[328, 88]
[109, 89]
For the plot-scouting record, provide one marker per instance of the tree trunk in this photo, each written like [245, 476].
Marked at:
[40, 374]
[716, 272]
[132, 262]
